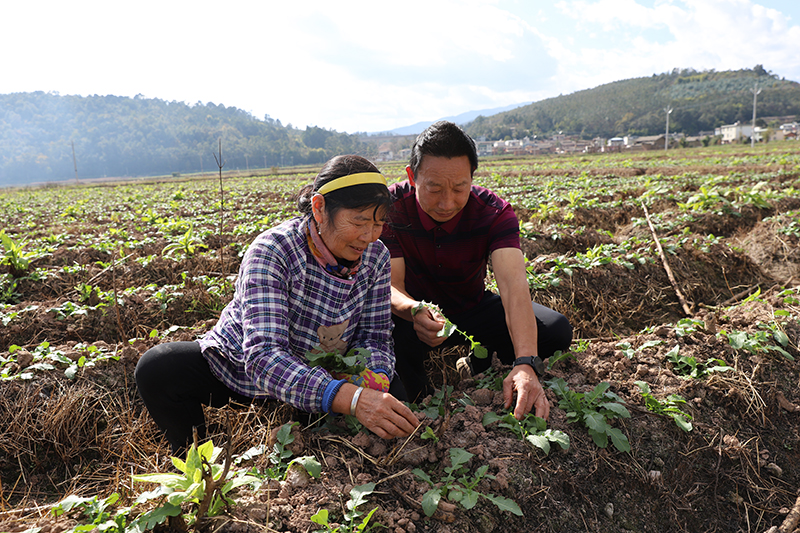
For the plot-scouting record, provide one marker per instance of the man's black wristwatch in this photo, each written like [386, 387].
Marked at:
[535, 362]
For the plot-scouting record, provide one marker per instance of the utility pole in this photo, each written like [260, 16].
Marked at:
[667, 110]
[755, 90]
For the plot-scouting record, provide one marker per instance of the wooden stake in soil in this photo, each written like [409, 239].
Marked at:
[220, 164]
[678, 292]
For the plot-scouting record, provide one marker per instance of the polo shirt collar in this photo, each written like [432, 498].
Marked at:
[429, 224]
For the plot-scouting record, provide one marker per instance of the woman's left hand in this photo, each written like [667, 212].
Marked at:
[385, 415]
[380, 412]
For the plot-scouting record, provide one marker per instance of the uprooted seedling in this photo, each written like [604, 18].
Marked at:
[449, 328]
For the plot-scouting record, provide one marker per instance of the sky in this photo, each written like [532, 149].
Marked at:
[362, 65]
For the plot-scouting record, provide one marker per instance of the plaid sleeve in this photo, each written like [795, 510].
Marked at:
[268, 361]
[374, 329]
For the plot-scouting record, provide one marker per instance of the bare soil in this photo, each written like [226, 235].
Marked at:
[737, 470]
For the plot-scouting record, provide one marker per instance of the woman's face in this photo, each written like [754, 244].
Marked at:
[350, 231]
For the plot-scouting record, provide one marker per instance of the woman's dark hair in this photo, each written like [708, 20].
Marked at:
[443, 139]
[354, 197]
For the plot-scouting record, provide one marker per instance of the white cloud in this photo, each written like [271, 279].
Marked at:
[357, 65]
[703, 34]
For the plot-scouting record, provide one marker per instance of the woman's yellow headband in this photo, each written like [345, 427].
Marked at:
[353, 179]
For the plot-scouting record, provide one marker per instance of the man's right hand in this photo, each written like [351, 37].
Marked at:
[428, 324]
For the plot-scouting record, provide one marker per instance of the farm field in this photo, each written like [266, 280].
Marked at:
[676, 409]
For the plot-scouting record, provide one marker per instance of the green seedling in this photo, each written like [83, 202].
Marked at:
[15, 257]
[94, 512]
[687, 326]
[354, 362]
[479, 350]
[530, 429]
[490, 379]
[188, 244]
[594, 409]
[458, 486]
[281, 454]
[437, 405]
[203, 484]
[689, 366]
[356, 521]
[670, 406]
[768, 339]
[429, 434]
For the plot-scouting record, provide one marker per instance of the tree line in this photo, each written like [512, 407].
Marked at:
[120, 136]
[700, 101]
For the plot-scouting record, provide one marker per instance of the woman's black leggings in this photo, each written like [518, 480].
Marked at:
[175, 382]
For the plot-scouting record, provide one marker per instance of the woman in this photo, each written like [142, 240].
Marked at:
[318, 282]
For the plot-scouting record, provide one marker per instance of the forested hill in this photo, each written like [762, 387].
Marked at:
[700, 101]
[120, 136]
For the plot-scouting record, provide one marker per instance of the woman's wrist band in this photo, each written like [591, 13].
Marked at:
[354, 401]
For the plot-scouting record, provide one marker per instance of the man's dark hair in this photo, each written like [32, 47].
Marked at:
[443, 139]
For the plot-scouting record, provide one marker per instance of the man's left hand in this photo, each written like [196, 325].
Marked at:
[530, 393]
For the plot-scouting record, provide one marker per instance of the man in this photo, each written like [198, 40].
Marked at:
[441, 234]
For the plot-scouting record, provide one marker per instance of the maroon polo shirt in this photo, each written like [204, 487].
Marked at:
[446, 262]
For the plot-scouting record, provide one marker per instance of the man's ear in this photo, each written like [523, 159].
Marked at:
[317, 207]
[410, 174]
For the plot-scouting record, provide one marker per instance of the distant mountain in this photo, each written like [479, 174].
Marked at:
[118, 137]
[700, 101]
[460, 119]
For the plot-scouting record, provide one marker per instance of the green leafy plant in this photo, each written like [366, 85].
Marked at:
[437, 405]
[458, 486]
[8, 289]
[429, 434]
[188, 244]
[94, 512]
[203, 483]
[530, 429]
[479, 350]
[689, 366]
[770, 338]
[354, 362]
[490, 379]
[594, 409]
[355, 521]
[687, 326]
[670, 406]
[15, 257]
[280, 454]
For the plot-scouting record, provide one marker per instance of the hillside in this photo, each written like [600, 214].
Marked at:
[120, 136]
[700, 101]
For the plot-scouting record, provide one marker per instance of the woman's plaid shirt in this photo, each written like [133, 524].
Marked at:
[282, 297]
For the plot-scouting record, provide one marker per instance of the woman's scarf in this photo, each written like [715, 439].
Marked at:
[324, 257]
